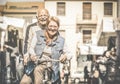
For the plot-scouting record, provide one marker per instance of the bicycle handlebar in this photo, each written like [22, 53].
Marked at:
[48, 60]
[44, 60]
[31, 65]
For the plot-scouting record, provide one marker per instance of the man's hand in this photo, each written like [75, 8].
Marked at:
[34, 58]
[63, 58]
[26, 58]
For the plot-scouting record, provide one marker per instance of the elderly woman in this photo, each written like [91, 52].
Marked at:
[47, 43]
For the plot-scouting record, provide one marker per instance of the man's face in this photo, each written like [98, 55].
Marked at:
[43, 17]
[52, 28]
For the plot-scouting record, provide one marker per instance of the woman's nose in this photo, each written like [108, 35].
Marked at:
[52, 27]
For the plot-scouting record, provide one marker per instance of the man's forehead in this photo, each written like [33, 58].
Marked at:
[43, 12]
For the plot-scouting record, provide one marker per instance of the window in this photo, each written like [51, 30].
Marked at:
[35, 7]
[86, 10]
[61, 8]
[86, 36]
[108, 8]
[13, 7]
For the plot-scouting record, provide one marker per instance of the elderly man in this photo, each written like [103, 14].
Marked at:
[42, 16]
[47, 44]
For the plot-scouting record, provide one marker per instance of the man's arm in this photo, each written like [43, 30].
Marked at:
[31, 50]
[31, 53]
[32, 45]
[26, 39]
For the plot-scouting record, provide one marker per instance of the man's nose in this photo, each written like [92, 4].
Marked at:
[42, 16]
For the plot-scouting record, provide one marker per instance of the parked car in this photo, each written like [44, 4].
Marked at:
[77, 76]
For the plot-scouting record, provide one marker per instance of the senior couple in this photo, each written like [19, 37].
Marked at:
[44, 40]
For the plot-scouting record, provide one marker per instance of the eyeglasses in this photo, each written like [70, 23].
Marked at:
[53, 30]
[52, 26]
[39, 16]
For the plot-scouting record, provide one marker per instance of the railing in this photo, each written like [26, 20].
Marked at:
[93, 20]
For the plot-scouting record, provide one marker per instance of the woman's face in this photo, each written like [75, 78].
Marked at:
[52, 28]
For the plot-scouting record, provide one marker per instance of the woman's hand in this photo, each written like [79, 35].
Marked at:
[63, 58]
[34, 58]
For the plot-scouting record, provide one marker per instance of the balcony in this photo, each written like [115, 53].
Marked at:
[80, 20]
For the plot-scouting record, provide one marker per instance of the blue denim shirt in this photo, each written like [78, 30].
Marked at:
[57, 50]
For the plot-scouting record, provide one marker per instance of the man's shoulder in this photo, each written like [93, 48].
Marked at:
[40, 32]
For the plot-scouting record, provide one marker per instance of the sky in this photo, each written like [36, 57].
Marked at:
[2, 2]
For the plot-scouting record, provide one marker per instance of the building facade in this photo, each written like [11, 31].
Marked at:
[87, 26]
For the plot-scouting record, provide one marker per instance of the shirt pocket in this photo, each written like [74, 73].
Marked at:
[59, 49]
[39, 46]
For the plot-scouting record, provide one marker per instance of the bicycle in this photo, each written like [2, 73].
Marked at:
[47, 72]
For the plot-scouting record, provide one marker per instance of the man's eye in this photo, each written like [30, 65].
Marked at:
[42, 16]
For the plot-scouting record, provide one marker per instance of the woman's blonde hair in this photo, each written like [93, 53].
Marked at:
[55, 19]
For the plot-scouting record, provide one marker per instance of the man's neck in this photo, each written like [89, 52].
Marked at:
[42, 26]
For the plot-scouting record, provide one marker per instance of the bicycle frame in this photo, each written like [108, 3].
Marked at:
[31, 65]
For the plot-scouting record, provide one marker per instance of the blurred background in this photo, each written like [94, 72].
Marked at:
[88, 26]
